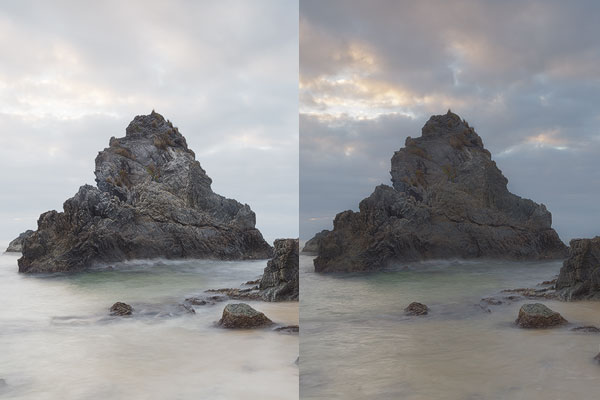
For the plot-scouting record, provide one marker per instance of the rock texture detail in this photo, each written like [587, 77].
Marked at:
[121, 309]
[242, 316]
[280, 280]
[579, 277]
[17, 244]
[152, 199]
[312, 245]
[415, 308]
[448, 199]
[537, 315]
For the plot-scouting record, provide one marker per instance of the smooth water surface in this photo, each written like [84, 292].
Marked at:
[58, 342]
[357, 343]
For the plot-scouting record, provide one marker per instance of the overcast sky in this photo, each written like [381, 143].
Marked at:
[75, 73]
[525, 74]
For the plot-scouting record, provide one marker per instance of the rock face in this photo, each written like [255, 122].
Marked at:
[121, 309]
[242, 316]
[415, 308]
[17, 244]
[312, 246]
[537, 315]
[579, 276]
[448, 200]
[280, 281]
[153, 199]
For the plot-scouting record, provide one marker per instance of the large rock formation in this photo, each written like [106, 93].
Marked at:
[312, 245]
[448, 199]
[280, 278]
[153, 200]
[579, 277]
[17, 244]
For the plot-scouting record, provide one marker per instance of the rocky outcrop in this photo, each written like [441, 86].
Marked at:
[121, 309]
[579, 277]
[312, 246]
[16, 245]
[448, 200]
[280, 280]
[416, 308]
[537, 315]
[242, 316]
[152, 199]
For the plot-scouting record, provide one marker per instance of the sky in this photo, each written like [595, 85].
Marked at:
[76, 73]
[525, 74]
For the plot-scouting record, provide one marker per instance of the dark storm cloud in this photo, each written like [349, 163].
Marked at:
[225, 72]
[524, 73]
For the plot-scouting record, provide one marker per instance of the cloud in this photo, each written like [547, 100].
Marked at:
[524, 73]
[224, 72]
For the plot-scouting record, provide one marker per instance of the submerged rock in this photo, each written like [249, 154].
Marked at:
[238, 294]
[288, 329]
[579, 277]
[280, 280]
[415, 308]
[448, 200]
[312, 246]
[121, 309]
[152, 199]
[205, 300]
[243, 316]
[16, 245]
[587, 329]
[537, 315]
[597, 358]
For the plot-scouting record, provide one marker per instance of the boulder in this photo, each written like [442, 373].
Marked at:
[579, 277]
[152, 199]
[415, 308]
[280, 280]
[121, 309]
[312, 246]
[243, 316]
[537, 315]
[16, 245]
[448, 199]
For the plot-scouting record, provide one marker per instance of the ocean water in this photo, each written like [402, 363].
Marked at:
[357, 343]
[58, 342]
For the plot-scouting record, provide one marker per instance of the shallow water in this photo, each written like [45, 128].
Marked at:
[356, 342]
[57, 341]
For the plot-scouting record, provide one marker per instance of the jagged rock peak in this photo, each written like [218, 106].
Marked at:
[153, 199]
[448, 199]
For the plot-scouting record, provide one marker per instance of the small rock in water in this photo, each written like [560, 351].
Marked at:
[537, 315]
[288, 329]
[121, 309]
[588, 328]
[241, 315]
[2, 383]
[491, 301]
[186, 308]
[597, 358]
[415, 308]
